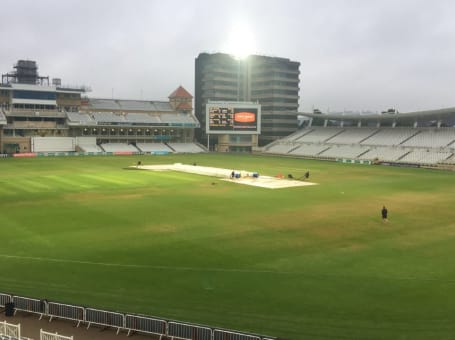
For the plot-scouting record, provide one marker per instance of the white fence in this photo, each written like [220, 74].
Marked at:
[43, 335]
[10, 329]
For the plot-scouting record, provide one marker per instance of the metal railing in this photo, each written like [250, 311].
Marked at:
[63, 311]
[189, 331]
[30, 305]
[135, 323]
[104, 318]
[123, 321]
[4, 299]
[219, 334]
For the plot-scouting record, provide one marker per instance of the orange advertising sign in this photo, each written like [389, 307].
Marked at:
[244, 117]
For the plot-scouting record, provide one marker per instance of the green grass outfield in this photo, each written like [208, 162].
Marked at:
[313, 262]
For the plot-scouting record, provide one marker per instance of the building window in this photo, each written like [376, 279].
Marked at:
[25, 94]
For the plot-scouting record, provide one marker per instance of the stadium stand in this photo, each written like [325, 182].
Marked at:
[103, 104]
[422, 145]
[344, 151]
[319, 135]
[142, 118]
[425, 157]
[79, 118]
[177, 118]
[87, 144]
[161, 106]
[128, 105]
[153, 147]
[108, 117]
[68, 112]
[297, 135]
[186, 147]
[389, 136]
[450, 160]
[436, 138]
[281, 148]
[118, 147]
[135, 105]
[309, 150]
[384, 153]
[352, 136]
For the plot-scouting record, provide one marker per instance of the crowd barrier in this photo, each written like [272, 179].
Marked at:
[30, 305]
[228, 335]
[4, 299]
[104, 318]
[123, 321]
[136, 323]
[188, 331]
[68, 312]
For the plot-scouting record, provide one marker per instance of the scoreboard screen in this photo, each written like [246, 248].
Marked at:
[233, 119]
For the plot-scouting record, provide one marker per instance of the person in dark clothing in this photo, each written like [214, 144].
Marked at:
[384, 213]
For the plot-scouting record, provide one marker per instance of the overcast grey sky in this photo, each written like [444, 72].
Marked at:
[354, 54]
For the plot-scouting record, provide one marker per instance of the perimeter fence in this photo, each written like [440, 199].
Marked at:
[126, 322]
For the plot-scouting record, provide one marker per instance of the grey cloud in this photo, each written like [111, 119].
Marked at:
[355, 54]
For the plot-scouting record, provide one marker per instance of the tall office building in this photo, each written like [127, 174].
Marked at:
[272, 82]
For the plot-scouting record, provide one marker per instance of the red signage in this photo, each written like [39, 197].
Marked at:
[25, 154]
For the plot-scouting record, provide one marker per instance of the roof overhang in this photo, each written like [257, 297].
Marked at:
[65, 90]
[437, 114]
[34, 101]
[32, 87]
